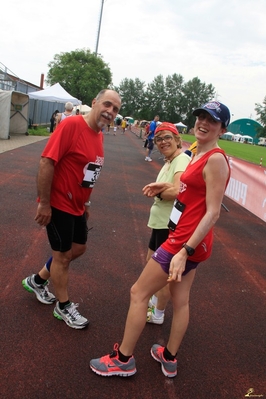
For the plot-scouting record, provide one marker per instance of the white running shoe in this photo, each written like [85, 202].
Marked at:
[71, 316]
[41, 291]
[151, 318]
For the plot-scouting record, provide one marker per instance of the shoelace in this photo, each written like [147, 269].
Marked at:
[74, 313]
[45, 292]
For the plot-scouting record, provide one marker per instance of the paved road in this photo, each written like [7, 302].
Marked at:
[223, 353]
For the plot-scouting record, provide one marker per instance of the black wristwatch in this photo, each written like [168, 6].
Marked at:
[159, 196]
[190, 250]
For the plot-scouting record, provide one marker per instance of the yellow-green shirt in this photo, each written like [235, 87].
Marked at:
[161, 209]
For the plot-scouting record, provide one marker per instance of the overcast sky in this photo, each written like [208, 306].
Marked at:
[220, 42]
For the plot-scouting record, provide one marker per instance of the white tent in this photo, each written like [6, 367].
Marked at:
[14, 107]
[83, 109]
[249, 139]
[54, 93]
[180, 124]
[228, 136]
[237, 137]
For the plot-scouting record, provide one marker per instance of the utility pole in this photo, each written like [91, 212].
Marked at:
[99, 29]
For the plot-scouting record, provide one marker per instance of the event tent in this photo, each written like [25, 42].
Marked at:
[248, 139]
[14, 107]
[228, 136]
[54, 93]
[83, 109]
[180, 127]
[180, 124]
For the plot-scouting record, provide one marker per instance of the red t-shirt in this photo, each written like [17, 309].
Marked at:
[78, 156]
[193, 195]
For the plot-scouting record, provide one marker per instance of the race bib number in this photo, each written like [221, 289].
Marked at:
[91, 174]
[176, 213]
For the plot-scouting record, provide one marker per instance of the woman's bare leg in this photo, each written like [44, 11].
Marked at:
[151, 280]
[180, 297]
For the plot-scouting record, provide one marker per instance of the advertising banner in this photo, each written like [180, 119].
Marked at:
[247, 186]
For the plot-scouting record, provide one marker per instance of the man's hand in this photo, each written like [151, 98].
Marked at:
[43, 215]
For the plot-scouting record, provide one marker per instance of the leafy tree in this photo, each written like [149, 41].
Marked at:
[261, 111]
[195, 93]
[81, 73]
[173, 97]
[155, 98]
[132, 95]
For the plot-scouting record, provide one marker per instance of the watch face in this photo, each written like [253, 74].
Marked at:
[190, 251]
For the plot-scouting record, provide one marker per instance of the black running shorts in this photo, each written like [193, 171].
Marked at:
[158, 237]
[64, 229]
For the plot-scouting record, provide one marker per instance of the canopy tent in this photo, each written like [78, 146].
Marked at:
[14, 108]
[181, 127]
[129, 119]
[237, 137]
[83, 109]
[180, 124]
[248, 139]
[54, 93]
[228, 136]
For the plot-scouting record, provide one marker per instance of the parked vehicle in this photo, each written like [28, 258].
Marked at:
[262, 141]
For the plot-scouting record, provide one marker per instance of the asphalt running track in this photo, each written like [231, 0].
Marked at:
[223, 354]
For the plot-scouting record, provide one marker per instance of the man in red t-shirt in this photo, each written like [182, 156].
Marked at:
[69, 168]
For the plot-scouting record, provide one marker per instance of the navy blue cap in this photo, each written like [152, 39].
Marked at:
[218, 111]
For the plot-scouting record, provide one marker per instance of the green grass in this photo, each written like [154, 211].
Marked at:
[247, 152]
[38, 131]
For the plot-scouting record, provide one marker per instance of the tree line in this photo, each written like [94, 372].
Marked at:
[83, 74]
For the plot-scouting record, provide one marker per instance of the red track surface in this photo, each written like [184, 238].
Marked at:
[223, 353]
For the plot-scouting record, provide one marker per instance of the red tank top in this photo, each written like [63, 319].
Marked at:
[193, 195]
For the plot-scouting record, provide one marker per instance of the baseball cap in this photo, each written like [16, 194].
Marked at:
[167, 126]
[218, 111]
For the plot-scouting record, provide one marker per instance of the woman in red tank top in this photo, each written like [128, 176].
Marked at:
[195, 212]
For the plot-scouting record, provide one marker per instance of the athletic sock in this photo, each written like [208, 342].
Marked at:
[62, 305]
[48, 264]
[167, 355]
[38, 280]
[123, 358]
[154, 300]
[158, 313]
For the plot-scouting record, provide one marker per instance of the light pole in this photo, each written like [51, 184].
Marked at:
[99, 29]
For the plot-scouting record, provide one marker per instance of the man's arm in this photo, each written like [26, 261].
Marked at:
[44, 184]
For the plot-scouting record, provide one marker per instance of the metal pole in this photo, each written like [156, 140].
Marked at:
[99, 29]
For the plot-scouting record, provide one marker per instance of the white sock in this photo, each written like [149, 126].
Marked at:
[158, 313]
[154, 300]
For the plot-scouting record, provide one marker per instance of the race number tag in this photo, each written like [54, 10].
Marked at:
[91, 174]
[176, 213]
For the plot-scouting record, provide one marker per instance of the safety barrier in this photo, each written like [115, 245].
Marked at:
[247, 186]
